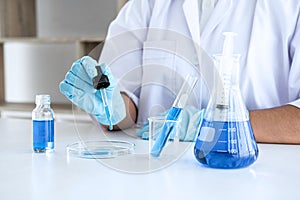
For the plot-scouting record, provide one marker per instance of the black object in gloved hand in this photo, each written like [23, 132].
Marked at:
[100, 81]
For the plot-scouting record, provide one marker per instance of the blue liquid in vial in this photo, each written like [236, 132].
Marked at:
[168, 130]
[226, 145]
[43, 135]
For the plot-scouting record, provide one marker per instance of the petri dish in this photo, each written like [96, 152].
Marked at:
[100, 149]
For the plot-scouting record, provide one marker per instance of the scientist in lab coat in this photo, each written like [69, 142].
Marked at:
[268, 39]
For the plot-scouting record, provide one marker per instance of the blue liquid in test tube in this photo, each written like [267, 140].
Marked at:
[167, 130]
[173, 115]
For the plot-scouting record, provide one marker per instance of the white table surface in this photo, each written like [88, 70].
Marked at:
[27, 175]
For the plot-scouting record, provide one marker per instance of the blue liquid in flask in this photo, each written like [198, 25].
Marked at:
[226, 139]
[226, 144]
[43, 135]
[167, 132]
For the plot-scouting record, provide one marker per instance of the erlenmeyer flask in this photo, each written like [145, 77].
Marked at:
[226, 139]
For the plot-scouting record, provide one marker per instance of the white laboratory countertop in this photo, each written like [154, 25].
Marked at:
[27, 175]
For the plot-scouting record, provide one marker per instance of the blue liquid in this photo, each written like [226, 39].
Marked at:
[167, 130]
[226, 144]
[108, 117]
[43, 135]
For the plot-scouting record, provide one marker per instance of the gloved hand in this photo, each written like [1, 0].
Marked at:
[190, 121]
[78, 88]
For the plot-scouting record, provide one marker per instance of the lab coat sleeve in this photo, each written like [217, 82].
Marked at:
[123, 46]
[294, 77]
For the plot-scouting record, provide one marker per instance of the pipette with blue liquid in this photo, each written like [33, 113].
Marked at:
[100, 83]
[173, 116]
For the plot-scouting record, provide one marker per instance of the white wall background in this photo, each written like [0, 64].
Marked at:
[32, 68]
[74, 18]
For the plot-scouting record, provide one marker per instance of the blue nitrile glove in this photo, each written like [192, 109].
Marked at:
[190, 121]
[78, 88]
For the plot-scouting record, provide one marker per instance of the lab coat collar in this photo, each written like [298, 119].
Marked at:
[191, 12]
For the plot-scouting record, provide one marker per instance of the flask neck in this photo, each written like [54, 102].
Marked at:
[226, 101]
[228, 67]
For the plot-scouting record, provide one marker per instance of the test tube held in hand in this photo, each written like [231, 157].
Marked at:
[173, 114]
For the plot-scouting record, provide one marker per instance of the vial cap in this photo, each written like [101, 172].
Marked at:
[42, 99]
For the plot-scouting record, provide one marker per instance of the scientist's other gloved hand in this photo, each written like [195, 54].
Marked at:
[190, 121]
[78, 88]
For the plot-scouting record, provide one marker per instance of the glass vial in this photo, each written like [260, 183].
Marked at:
[43, 125]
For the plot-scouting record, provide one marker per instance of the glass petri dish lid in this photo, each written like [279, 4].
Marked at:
[100, 149]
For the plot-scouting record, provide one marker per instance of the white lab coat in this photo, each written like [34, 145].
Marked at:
[268, 41]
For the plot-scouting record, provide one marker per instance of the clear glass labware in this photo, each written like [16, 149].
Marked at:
[226, 139]
[43, 125]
